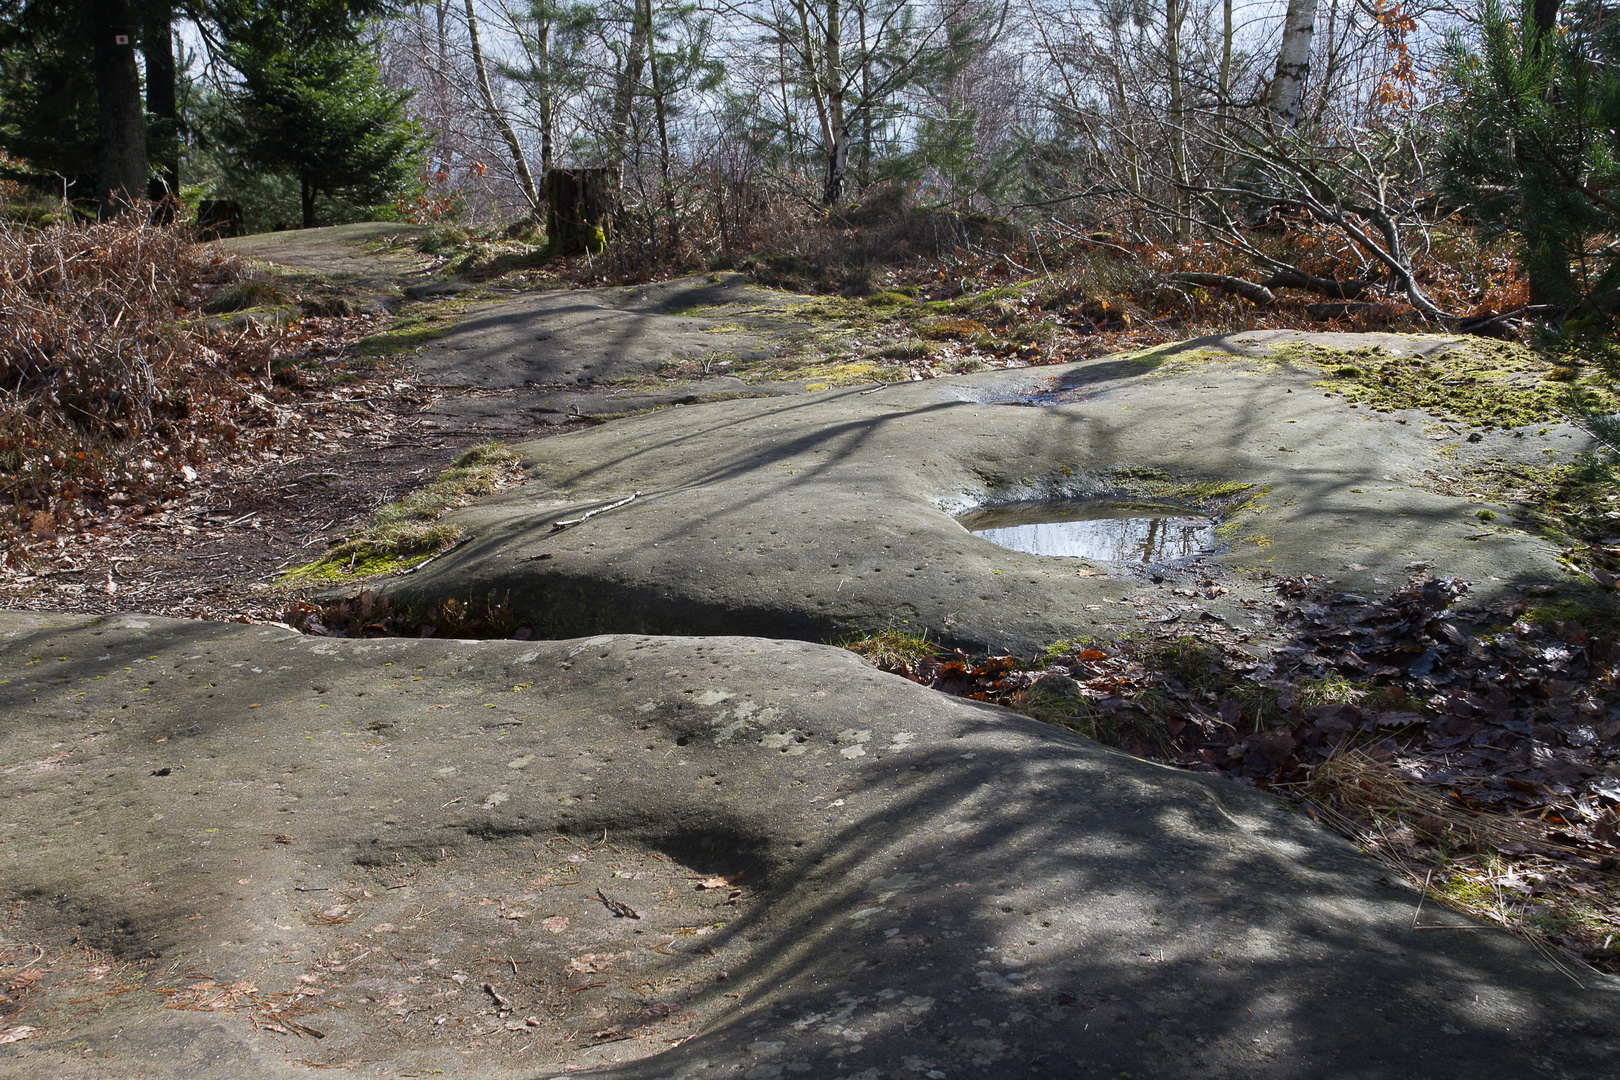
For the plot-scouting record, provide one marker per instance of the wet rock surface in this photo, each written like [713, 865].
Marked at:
[829, 513]
[233, 849]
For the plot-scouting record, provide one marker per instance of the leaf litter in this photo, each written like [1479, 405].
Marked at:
[1471, 750]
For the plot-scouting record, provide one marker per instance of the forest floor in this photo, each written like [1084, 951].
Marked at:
[360, 426]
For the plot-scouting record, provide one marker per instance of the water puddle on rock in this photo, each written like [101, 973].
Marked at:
[1109, 530]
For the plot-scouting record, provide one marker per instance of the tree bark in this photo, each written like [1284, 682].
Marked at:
[306, 198]
[520, 163]
[1174, 14]
[548, 108]
[1298, 279]
[668, 182]
[864, 173]
[836, 130]
[1293, 64]
[118, 97]
[1225, 85]
[1255, 294]
[162, 103]
[624, 97]
[1545, 14]
[576, 210]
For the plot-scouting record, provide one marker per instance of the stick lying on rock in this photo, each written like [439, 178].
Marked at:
[559, 526]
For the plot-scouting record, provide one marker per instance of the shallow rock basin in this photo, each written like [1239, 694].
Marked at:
[1107, 529]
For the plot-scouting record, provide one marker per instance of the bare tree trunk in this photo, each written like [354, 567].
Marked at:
[663, 134]
[157, 48]
[1132, 164]
[1175, 12]
[865, 175]
[787, 109]
[548, 106]
[1293, 64]
[624, 96]
[836, 131]
[1226, 57]
[481, 72]
[118, 96]
[1545, 14]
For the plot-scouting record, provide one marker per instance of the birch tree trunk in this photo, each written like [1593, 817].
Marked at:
[481, 72]
[548, 107]
[836, 131]
[1293, 64]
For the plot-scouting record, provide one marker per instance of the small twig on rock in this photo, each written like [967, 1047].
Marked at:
[619, 908]
[559, 526]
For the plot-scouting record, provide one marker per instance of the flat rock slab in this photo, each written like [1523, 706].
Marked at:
[600, 335]
[618, 402]
[1259, 343]
[348, 251]
[515, 414]
[235, 851]
[829, 513]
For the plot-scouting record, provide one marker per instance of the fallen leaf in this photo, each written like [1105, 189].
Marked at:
[591, 963]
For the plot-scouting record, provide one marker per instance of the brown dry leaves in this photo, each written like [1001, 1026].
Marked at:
[1480, 760]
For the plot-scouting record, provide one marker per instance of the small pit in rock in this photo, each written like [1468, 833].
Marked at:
[1110, 530]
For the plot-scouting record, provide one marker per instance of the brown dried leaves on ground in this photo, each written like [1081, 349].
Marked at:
[1486, 764]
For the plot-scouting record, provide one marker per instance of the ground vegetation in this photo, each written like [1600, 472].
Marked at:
[963, 186]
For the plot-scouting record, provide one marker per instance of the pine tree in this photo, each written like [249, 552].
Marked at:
[1535, 151]
[311, 104]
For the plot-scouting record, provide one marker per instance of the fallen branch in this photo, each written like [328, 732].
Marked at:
[1257, 294]
[1338, 290]
[559, 526]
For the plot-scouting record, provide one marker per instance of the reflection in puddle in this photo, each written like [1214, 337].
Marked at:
[1130, 532]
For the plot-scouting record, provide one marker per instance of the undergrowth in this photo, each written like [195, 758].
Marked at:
[890, 650]
[108, 381]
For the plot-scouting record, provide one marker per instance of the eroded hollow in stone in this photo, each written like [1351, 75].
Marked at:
[1111, 530]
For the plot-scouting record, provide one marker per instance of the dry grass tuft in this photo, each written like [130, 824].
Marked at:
[1500, 868]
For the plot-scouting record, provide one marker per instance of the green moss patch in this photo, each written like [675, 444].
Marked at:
[248, 296]
[409, 530]
[906, 349]
[1575, 506]
[1212, 496]
[845, 373]
[1484, 384]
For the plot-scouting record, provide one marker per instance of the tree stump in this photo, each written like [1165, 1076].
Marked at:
[219, 217]
[576, 210]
